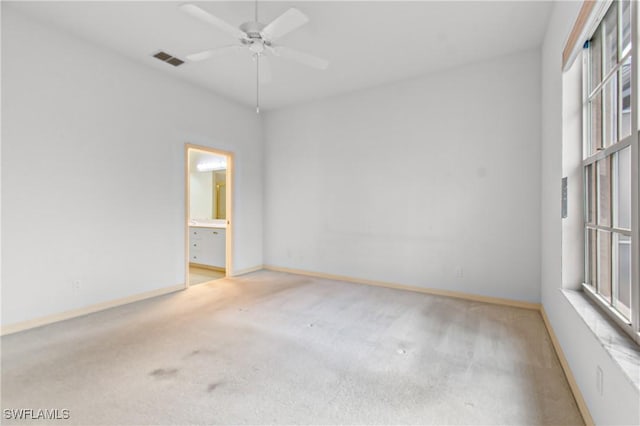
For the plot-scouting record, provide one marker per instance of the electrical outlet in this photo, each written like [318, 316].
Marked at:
[459, 272]
[599, 380]
[75, 285]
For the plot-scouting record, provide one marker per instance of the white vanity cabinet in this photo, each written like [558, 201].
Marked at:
[207, 246]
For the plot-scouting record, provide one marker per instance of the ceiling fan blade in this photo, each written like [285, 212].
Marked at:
[284, 24]
[206, 17]
[264, 69]
[303, 58]
[206, 54]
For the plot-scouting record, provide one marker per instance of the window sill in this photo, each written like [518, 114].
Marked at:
[624, 351]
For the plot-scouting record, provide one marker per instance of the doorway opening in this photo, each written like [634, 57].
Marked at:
[208, 213]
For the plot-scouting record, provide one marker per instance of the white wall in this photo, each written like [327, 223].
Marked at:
[432, 182]
[93, 172]
[619, 402]
[573, 224]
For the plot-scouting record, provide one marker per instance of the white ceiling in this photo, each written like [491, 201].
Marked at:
[367, 43]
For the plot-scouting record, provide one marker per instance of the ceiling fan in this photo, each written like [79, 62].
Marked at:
[258, 39]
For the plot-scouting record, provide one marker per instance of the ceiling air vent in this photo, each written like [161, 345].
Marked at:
[165, 57]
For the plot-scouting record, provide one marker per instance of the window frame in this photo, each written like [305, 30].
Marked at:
[590, 159]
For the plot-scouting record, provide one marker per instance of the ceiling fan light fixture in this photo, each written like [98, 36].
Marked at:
[257, 47]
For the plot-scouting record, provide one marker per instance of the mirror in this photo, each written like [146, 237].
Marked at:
[207, 186]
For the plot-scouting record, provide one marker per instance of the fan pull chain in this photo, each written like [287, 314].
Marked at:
[257, 58]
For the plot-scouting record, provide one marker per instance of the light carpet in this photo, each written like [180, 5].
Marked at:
[274, 348]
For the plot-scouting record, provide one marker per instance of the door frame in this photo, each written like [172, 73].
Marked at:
[228, 264]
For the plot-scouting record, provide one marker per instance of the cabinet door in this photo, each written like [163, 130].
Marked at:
[211, 247]
[219, 245]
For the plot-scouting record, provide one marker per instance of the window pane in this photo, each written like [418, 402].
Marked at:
[596, 123]
[610, 24]
[595, 51]
[604, 264]
[610, 113]
[626, 27]
[604, 192]
[623, 275]
[590, 194]
[591, 258]
[625, 99]
[622, 189]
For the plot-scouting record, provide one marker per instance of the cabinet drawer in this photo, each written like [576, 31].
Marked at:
[207, 246]
[215, 232]
[199, 233]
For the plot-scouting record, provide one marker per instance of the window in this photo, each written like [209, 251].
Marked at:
[610, 159]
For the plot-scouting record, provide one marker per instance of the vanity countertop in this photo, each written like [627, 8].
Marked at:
[211, 223]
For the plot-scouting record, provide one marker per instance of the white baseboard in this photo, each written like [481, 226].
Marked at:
[247, 270]
[436, 292]
[49, 319]
[582, 405]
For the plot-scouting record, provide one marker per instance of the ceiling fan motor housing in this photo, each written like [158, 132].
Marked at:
[254, 39]
[253, 29]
